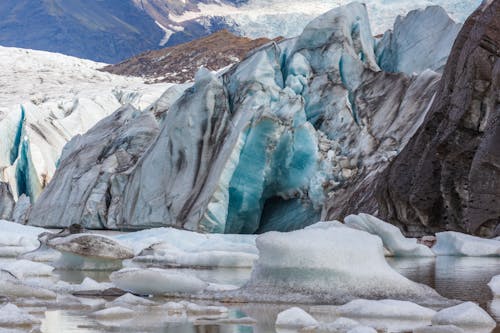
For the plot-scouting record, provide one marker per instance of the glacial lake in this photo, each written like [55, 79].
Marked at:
[463, 278]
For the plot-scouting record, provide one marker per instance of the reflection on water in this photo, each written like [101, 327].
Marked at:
[453, 277]
[463, 278]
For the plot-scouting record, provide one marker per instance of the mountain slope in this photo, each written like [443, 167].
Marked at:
[180, 63]
[107, 31]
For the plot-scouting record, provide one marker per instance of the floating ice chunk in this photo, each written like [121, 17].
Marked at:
[130, 300]
[89, 251]
[41, 254]
[89, 284]
[295, 318]
[362, 329]
[174, 307]
[155, 281]
[196, 309]
[439, 329]
[464, 315]
[303, 265]
[391, 236]
[220, 287]
[23, 268]
[326, 225]
[451, 243]
[16, 239]
[114, 313]
[387, 308]
[339, 325]
[11, 315]
[10, 286]
[494, 285]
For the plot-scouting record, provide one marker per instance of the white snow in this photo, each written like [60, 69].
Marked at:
[295, 318]
[494, 285]
[464, 315]
[11, 315]
[259, 18]
[451, 243]
[155, 281]
[391, 236]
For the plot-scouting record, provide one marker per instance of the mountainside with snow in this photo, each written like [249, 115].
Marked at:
[46, 99]
[114, 30]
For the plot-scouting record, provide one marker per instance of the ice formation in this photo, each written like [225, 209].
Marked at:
[362, 329]
[387, 309]
[11, 286]
[155, 281]
[327, 265]
[465, 315]
[114, 313]
[38, 116]
[295, 318]
[169, 246]
[89, 251]
[391, 236]
[129, 300]
[16, 239]
[439, 329]
[410, 48]
[452, 243]
[494, 285]
[259, 147]
[23, 268]
[11, 315]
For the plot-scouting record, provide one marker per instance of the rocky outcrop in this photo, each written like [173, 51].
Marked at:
[179, 63]
[448, 175]
[6, 202]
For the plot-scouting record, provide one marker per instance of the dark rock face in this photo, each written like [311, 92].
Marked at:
[6, 202]
[448, 175]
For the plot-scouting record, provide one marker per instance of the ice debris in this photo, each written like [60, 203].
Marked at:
[451, 243]
[465, 315]
[11, 315]
[391, 236]
[155, 281]
[295, 318]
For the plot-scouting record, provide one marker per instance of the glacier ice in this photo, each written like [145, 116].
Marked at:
[155, 281]
[295, 318]
[16, 239]
[114, 313]
[362, 329]
[494, 285]
[303, 265]
[128, 300]
[11, 315]
[451, 243]
[89, 251]
[439, 329]
[259, 147]
[421, 40]
[39, 114]
[466, 315]
[388, 309]
[10, 286]
[23, 268]
[391, 236]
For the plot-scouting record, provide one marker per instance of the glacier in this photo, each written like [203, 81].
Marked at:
[39, 113]
[260, 146]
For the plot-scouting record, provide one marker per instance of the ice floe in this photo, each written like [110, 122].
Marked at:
[494, 285]
[451, 243]
[24, 268]
[295, 318]
[391, 236]
[465, 315]
[155, 281]
[11, 315]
